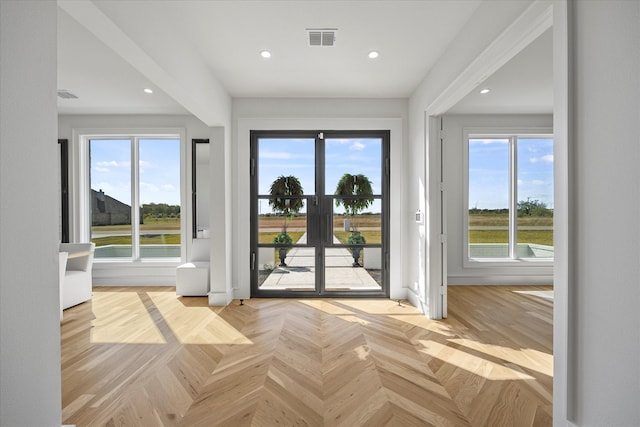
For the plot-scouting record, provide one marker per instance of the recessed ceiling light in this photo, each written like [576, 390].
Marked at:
[265, 54]
[373, 54]
[485, 90]
[147, 90]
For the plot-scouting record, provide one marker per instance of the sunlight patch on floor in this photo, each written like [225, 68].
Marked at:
[196, 325]
[526, 357]
[471, 363]
[127, 326]
[542, 294]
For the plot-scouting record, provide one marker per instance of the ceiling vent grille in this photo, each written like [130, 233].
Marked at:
[321, 36]
[65, 94]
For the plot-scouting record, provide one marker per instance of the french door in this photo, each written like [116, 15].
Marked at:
[319, 213]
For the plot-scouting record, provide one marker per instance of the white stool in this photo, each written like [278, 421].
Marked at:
[192, 279]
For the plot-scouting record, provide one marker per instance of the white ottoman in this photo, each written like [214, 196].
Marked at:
[192, 279]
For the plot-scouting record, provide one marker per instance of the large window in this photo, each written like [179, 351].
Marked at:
[510, 196]
[134, 201]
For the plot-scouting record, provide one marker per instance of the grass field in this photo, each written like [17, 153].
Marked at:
[151, 233]
[540, 237]
[371, 236]
[162, 239]
[267, 237]
[298, 222]
[503, 220]
[152, 230]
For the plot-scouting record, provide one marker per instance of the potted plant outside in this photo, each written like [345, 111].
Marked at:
[286, 200]
[285, 240]
[348, 186]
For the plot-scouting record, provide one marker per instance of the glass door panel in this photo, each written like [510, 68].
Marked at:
[272, 223]
[159, 185]
[489, 197]
[284, 263]
[285, 178]
[296, 272]
[354, 179]
[110, 178]
[535, 198]
[353, 259]
[356, 156]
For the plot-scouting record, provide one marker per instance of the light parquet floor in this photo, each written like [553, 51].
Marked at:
[144, 357]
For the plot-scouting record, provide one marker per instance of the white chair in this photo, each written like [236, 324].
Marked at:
[76, 285]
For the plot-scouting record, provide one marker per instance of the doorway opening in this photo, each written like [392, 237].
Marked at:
[319, 213]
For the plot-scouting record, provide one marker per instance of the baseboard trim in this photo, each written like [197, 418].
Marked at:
[220, 299]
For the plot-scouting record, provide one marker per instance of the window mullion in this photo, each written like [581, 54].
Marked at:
[135, 199]
[513, 197]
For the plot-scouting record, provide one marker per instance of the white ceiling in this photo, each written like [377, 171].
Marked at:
[110, 50]
[524, 85]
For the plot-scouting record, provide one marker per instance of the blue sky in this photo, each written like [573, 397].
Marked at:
[159, 169]
[489, 172]
[297, 157]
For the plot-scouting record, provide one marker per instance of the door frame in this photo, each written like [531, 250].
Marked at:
[315, 215]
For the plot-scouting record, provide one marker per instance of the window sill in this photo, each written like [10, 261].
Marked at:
[143, 263]
[511, 263]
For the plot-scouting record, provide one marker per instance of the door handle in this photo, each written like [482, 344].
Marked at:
[329, 230]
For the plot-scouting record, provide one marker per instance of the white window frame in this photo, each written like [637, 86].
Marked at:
[81, 195]
[512, 134]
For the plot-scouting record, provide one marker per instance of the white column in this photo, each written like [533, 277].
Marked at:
[220, 292]
[30, 390]
[604, 197]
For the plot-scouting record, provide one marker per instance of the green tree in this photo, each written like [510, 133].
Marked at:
[354, 185]
[533, 208]
[160, 210]
[352, 188]
[281, 191]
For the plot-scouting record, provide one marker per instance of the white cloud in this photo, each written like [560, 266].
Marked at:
[107, 163]
[537, 182]
[148, 187]
[111, 163]
[544, 159]
[168, 187]
[357, 146]
[101, 169]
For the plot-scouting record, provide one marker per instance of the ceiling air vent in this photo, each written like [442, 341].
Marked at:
[321, 36]
[65, 94]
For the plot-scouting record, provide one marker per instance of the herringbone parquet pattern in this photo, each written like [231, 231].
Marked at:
[143, 357]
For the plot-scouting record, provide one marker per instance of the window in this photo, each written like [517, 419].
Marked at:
[135, 197]
[510, 196]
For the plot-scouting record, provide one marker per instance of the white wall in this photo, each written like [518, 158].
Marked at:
[320, 114]
[30, 391]
[604, 269]
[525, 272]
[490, 20]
